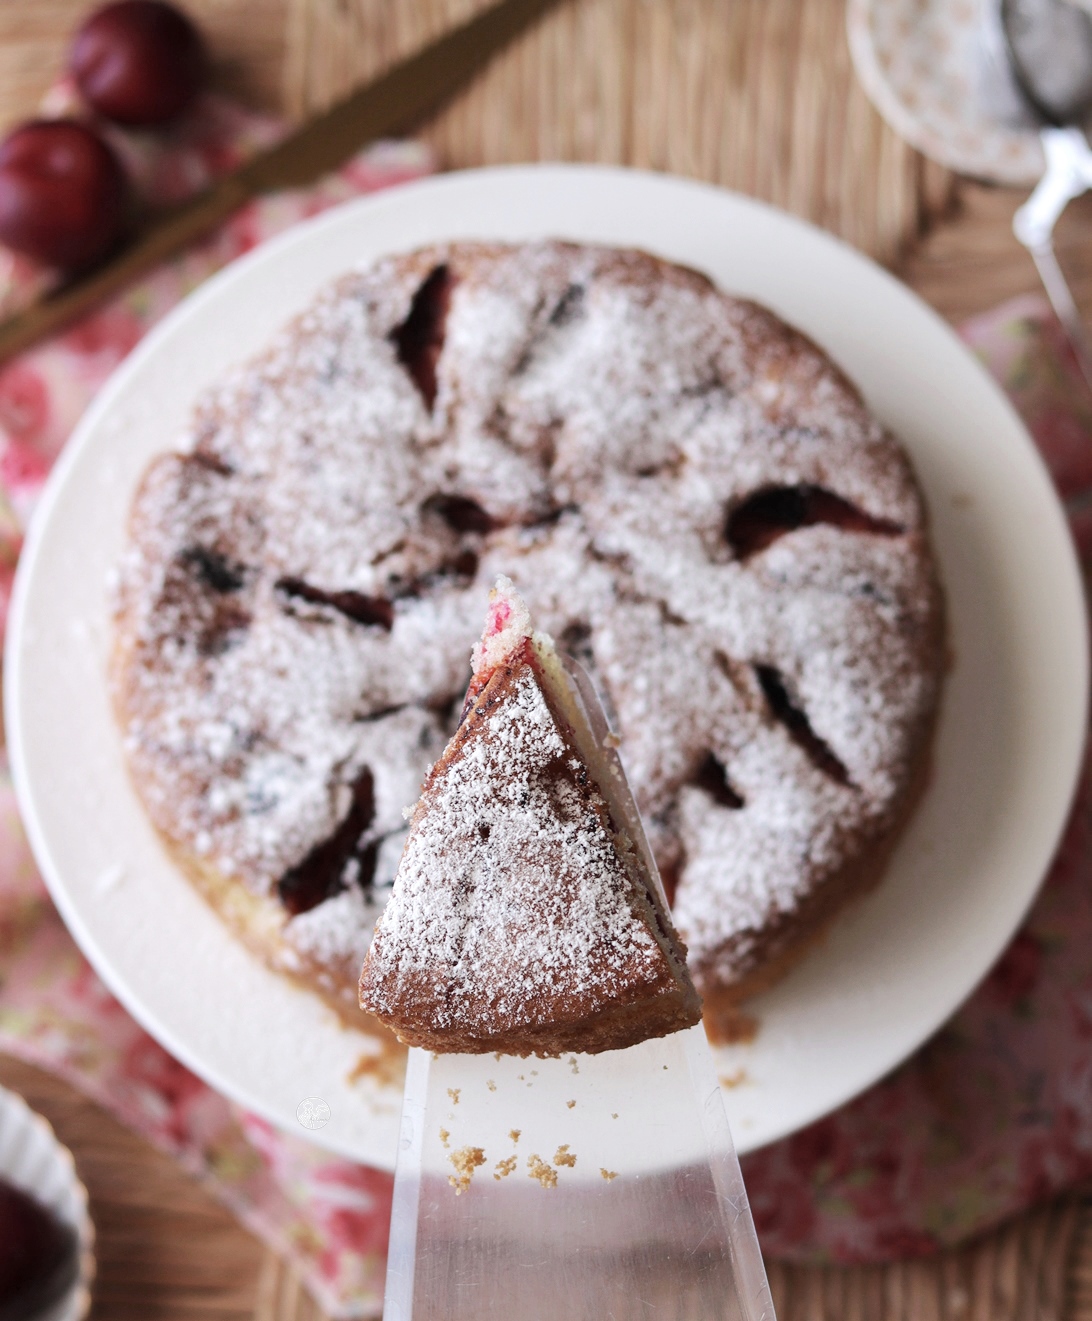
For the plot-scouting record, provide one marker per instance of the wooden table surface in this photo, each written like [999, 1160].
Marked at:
[758, 95]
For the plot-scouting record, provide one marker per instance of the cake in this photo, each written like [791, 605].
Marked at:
[523, 917]
[697, 505]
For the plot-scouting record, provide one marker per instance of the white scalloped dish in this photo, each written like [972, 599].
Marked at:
[32, 1160]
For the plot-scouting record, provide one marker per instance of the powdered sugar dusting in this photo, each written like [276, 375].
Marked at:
[304, 583]
[511, 897]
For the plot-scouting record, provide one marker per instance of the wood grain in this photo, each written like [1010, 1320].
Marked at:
[1078, 1299]
[757, 95]
[974, 262]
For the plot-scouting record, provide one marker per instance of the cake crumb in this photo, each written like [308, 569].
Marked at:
[514, 1133]
[570, 1104]
[736, 1079]
[388, 1068]
[730, 1027]
[444, 1135]
[614, 1116]
[453, 1092]
[608, 1174]
[505, 1168]
[491, 1084]
[545, 1174]
[466, 1160]
[573, 1064]
[563, 1156]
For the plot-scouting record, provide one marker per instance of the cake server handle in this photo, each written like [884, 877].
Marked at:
[589, 1187]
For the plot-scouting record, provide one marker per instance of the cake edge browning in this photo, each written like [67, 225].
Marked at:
[258, 921]
[790, 941]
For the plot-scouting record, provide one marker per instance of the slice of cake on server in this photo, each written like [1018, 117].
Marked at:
[524, 918]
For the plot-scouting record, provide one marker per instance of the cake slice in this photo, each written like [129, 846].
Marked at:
[524, 918]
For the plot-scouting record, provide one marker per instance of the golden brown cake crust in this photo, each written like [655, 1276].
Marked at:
[521, 919]
[695, 502]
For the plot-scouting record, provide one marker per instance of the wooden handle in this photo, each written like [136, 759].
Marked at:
[167, 237]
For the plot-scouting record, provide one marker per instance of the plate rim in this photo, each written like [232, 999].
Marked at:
[270, 252]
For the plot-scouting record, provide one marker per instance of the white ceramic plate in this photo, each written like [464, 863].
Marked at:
[32, 1159]
[1007, 750]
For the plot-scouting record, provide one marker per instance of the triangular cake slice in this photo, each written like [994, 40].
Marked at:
[523, 918]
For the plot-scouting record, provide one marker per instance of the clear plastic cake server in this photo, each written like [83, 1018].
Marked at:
[591, 1187]
[586, 1188]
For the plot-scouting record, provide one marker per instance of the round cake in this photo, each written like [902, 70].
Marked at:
[694, 501]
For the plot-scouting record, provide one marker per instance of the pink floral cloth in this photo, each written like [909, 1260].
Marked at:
[992, 1115]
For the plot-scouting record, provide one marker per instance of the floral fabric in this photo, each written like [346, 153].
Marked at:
[990, 1116]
